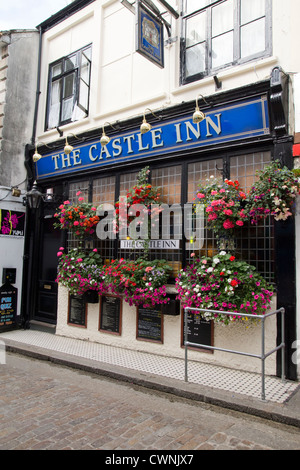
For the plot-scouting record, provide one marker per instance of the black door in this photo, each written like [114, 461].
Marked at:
[50, 241]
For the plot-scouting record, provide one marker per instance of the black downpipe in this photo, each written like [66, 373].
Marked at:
[29, 225]
[38, 91]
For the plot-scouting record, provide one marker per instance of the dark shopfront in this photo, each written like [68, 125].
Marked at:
[243, 131]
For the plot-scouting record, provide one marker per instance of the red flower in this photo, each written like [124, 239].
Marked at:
[234, 283]
[232, 258]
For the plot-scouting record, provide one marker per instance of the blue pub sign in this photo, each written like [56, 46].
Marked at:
[149, 35]
[233, 122]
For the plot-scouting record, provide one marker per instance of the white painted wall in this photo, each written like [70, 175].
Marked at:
[124, 83]
[245, 338]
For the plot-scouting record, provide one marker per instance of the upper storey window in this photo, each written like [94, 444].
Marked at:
[221, 33]
[68, 88]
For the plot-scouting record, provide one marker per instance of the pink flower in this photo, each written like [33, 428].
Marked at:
[78, 192]
[95, 250]
[79, 260]
[61, 248]
[228, 211]
[59, 253]
[228, 224]
[76, 222]
[67, 202]
[192, 255]
[240, 223]
[81, 198]
[200, 195]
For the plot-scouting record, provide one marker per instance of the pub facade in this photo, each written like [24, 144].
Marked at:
[109, 67]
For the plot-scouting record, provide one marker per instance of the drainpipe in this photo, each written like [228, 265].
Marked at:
[25, 309]
[38, 91]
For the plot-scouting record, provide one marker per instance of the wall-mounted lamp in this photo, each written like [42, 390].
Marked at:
[104, 140]
[15, 191]
[198, 115]
[145, 126]
[36, 156]
[34, 197]
[68, 148]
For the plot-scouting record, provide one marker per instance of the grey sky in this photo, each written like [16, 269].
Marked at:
[27, 14]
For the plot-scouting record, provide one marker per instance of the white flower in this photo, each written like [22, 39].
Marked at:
[222, 253]
[209, 270]
[216, 260]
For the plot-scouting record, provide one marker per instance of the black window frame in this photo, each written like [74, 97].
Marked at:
[262, 257]
[65, 73]
[237, 59]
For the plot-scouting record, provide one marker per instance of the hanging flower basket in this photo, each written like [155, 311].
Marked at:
[80, 218]
[224, 203]
[80, 271]
[273, 194]
[140, 282]
[223, 283]
[144, 194]
[91, 296]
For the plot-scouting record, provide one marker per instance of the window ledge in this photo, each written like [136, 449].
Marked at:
[228, 73]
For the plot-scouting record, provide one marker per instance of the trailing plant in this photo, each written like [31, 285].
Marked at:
[273, 193]
[140, 282]
[79, 218]
[223, 204]
[223, 283]
[145, 195]
[80, 271]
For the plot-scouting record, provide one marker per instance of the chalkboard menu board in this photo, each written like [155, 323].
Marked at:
[77, 311]
[199, 330]
[149, 324]
[110, 314]
[8, 306]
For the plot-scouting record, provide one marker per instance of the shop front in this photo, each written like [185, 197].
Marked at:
[237, 137]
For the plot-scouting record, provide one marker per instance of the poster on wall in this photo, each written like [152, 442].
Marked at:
[12, 223]
[77, 311]
[110, 314]
[8, 306]
[149, 35]
[150, 324]
[199, 330]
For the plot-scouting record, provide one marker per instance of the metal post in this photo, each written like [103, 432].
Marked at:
[185, 344]
[263, 394]
[282, 345]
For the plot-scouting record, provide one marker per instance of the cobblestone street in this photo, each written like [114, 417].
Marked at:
[45, 406]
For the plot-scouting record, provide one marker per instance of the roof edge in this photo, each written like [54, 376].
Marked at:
[63, 14]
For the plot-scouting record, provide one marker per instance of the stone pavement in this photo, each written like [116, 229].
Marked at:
[46, 406]
[227, 388]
